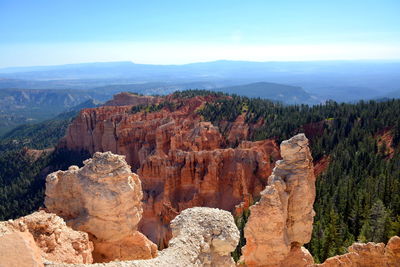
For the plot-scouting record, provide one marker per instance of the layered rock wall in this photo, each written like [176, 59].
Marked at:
[103, 198]
[182, 161]
[281, 222]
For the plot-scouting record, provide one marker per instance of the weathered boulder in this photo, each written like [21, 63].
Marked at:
[368, 255]
[201, 237]
[282, 220]
[103, 198]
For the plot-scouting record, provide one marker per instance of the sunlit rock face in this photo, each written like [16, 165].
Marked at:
[42, 235]
[201, 237]
[182, 161]
[18, 248]
[368, 255]
[281, 222]
[103, 198]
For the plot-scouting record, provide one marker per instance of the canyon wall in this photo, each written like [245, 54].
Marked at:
[181, 160]
[103, 198]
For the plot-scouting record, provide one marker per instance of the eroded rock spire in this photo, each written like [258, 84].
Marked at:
[281, 222]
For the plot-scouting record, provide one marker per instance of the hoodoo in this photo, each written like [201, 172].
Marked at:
[103, 198]
[182, 161]
[281, 222]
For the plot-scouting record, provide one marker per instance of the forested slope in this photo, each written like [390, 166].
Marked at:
[357, 194]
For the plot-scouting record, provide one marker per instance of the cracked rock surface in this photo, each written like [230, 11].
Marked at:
[281, 222]
[201, 237]
[103, 198]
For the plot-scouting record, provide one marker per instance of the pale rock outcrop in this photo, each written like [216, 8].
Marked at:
[57, 241]
[54, 240]
[103, 198]
[282, 220]
[368, 255]
[201, 237]
[18, 248]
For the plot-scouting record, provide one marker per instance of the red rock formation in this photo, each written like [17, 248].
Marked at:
[321, 165]
[368, 255]
[181, 160]
[384, 139]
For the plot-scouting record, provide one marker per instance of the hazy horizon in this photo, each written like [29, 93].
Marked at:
[44, 32]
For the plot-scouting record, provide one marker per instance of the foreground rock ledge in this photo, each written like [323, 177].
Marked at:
[201, 237]
[103, 198]
[368, 255]
[281, 222]
[40, 235]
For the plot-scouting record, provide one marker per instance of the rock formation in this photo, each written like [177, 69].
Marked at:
[42, 235]
[18, 249]
[368, 255]
[282, 220]
[181, 160]
[56, 240]
[103, 198]
[201, 237]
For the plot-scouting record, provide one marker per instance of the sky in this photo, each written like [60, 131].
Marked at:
[52, 32]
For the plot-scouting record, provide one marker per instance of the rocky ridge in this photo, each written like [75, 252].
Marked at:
[368, 255]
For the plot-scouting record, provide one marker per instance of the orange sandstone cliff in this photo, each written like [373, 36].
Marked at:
[181, 160]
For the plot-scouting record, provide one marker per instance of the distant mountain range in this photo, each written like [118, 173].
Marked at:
[58, 88]
[393, 94]
[337, 80]
[278, 92]
[19, 106]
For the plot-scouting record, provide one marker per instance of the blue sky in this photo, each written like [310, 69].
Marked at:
[44, 32]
